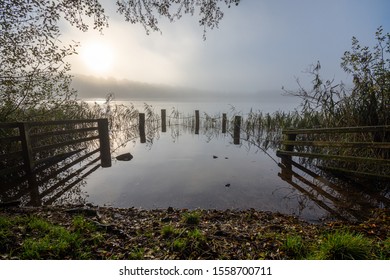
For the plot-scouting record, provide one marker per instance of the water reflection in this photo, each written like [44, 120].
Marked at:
[338, 198]
[189, 160]
[54, 173]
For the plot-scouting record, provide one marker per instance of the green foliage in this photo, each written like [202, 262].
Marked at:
[34, 78]
[49, 241]
[33, 74]
[147, 12]
[54, 243]
[342, 245]
[383, 249]
[196, 235]
[370, 68]
[82, 225]
[295, 247]
[191, 218]
[136, 254]
[367, 103]
[44, 240]
[179, 244]
[328, 105]
[168, 231]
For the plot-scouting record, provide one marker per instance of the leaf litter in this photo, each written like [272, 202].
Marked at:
[131, 233]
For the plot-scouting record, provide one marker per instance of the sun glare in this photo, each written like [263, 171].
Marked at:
[98, 57]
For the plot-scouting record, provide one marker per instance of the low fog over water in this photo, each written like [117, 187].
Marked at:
[125, 91]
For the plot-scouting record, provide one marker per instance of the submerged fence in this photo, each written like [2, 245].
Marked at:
[195, 123]
[32, 153]
[62, 153]
[358, 151]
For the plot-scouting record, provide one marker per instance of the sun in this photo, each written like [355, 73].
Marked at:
[98, 57]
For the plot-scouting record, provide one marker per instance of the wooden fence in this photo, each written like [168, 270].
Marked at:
[31, 148]
[359, 146]
[237, 122]
[337, 199]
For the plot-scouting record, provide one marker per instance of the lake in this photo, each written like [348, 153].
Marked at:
[183, 168]
[199, 165]
[194, 171]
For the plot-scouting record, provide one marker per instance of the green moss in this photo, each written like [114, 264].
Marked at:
[384, 249]
[191, 218]
[295, 247]
[48, 240]
[196, 235]
[179, 244]
[81, 224]
[341, 245]
[136, 254]
[168, 231]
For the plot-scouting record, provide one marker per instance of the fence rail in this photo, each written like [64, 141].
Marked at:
[358, 145]
[27, 139]
[30, 148]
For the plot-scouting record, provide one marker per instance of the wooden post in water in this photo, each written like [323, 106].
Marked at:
[104, 141]
[142, 128]
[290, 137]
[237, 128]
[29, 163]
[224, 120]
[196, 121]
[26, 148]
[286, 160]
[163, 120]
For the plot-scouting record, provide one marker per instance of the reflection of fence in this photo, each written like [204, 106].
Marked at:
[339, 199]
[39, 152]
[361, 148]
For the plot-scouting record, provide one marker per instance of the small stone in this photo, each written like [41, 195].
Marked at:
[125, 157]
[215, 157]
[227, 185]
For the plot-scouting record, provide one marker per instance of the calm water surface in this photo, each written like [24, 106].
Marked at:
[185, 168]
[192, 172]
[181, 169]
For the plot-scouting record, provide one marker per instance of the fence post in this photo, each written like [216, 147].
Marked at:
[26, 147]
[142, 134]
[224, 120]
[29, 163]
[237, 128]
[196, 121]
[290, 137]
[286, 160]
[104, 141]
[163, 120]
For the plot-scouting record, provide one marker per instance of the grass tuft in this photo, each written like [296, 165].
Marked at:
[344, 246]
[168, 231]
[50, 242]
[295, 247]
[191, 218]
[179, 244]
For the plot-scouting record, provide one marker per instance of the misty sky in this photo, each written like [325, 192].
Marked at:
[260, 45]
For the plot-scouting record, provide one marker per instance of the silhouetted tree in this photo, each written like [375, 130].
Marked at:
[34, 77]
[367, 103]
